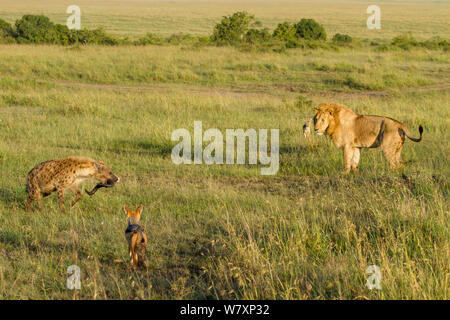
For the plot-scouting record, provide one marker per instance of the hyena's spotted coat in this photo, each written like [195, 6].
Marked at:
[62, 174]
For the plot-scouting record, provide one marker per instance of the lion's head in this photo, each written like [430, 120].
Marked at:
[323, 118]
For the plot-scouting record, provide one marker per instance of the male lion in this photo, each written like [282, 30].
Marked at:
[351, 132]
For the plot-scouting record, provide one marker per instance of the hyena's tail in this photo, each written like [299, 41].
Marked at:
[29, 182]
[405, 131]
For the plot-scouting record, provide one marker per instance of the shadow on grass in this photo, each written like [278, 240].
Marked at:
[299, 149]
[11, 198]
[129, 147]
[10, 238]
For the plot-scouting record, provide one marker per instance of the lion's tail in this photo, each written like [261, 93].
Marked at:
[404, 131]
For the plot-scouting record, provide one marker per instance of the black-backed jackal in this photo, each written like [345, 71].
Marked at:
[136, 236]
[307, 130]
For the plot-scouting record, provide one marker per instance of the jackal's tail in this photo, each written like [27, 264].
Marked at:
[405, 131]
[133, 242]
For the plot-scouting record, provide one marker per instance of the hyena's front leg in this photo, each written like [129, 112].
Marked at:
[61, 198]
[77, 193]
[33, 194]
[39, 201]
[29, 201]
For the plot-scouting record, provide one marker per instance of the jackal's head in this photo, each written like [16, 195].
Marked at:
[104, 174]
[133, 216]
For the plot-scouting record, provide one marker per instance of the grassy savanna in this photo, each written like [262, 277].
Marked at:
[424, 18]
[224, 231]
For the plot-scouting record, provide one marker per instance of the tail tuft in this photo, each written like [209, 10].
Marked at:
[408, 134]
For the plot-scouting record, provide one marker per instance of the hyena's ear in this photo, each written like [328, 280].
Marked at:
[98, 166]
[127, 211]
[139, 210]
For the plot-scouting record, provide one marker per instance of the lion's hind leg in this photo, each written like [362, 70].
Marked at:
[393, 154]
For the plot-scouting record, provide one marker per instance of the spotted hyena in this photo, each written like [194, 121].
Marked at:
[62, 174]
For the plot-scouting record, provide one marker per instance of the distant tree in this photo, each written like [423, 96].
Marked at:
[232, 29]
[309, 29]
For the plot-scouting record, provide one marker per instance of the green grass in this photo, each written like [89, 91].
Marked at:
[223, 231]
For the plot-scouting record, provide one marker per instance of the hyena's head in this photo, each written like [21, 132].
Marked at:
[133, 216]
[104, 174]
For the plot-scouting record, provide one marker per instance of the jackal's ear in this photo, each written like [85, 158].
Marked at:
[127, 211]
[139, 210]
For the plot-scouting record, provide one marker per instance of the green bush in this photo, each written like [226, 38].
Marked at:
[63, 35]
[5, 26]
[232, 29]
[150, 38]
[405, 41]
[436, 43]
[39, 29]
[35, 29]
[285, 31]
[255, 36]
[294, 35]
[306, 34]
[7, 34]
[309, 29]
[181, 38]
[341, 39]
[96, 36]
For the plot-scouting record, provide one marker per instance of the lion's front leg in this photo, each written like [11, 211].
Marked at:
[348, 158]
[355, 159]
